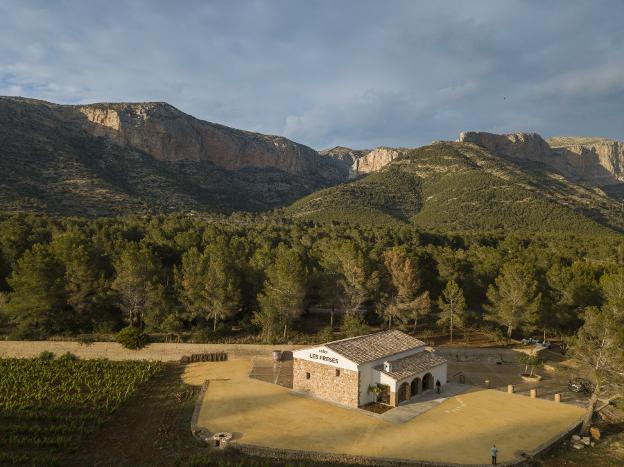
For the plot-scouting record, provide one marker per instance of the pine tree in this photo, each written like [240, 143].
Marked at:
[514, 298]
[36, 304]
[405, 302]
[138, 285]
[598, 344]
[209, 283]
[453, 307]
[284, 288]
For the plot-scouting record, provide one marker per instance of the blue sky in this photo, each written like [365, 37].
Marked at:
[355, 73]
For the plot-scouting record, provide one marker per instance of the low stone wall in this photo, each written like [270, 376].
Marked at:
[490, 354]
[114, 351]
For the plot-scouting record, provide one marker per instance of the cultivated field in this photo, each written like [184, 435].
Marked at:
[460, 430]
[47, 406]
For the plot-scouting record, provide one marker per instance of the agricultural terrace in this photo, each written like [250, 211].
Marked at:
[47, 405]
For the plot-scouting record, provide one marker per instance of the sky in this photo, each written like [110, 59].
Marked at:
[355, 73]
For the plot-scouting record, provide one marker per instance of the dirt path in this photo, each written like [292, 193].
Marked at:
[151, 429]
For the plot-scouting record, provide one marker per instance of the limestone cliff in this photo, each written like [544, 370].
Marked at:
[600, 159]
[345, 155]
[167, 134]
[374, 160]
[592, 160]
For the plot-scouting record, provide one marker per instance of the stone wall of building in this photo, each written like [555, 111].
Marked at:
[324, 383]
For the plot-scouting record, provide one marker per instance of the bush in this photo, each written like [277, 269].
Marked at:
[200, 336]
[45, 355]
[131, 338]
[325, 335]
[68, 357]
[354, 325]
[86, 339]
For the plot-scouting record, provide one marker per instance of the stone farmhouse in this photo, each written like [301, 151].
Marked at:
[389, 367]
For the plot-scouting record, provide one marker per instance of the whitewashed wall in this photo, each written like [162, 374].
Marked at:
[325, 356]
[370, 377]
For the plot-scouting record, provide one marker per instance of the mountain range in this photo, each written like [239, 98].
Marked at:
[123, 158]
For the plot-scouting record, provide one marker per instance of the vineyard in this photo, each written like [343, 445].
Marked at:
[47, 405]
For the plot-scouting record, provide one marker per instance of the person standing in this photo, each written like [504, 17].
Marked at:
[438, 386]
[494, 452]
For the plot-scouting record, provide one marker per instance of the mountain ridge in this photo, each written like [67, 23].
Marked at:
[57, 159]
[119, 158]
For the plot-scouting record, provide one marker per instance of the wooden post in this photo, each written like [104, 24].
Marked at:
[557, 397]
[533, 393]
[510, 389]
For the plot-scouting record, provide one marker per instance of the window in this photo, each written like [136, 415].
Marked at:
[307, 375]
[337, 372]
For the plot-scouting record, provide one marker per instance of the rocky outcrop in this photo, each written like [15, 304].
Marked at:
[374, 160]
[345, 155]
[167, 134]
[523, 146]
[592, 160]
[600, 159]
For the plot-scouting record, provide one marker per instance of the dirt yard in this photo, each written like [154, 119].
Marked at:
[460, 430]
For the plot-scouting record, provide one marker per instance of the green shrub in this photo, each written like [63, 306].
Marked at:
[131, 338]
[325, 335]
[354, 325]
[45, 355]
[200, 336]
[68, 357]
[86, 339]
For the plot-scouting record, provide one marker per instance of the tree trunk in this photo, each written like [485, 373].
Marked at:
[285, 330]
[587, 419]
[214, 324]
[331, 318]
[451, 326]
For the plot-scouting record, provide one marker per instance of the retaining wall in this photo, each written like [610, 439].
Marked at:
[114, 351]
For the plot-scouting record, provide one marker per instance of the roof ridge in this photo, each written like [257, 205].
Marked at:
[362, 336]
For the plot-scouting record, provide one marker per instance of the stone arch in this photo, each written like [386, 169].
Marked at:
[403, 392]
[415, 387]
[427, 382]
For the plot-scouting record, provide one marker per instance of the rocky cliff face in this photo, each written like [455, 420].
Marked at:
[599, 159]
[167, 134]
[345, 155]
[374, 160]
[596, 161]
[362, 161]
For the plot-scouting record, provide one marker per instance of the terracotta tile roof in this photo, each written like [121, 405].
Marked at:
[412, 365]
[375, 346]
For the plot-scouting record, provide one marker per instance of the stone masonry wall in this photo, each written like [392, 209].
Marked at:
[324, 383]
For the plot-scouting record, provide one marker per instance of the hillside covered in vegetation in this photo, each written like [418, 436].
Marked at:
[458, 187]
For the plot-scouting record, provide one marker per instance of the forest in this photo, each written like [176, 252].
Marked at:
[213, 278]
